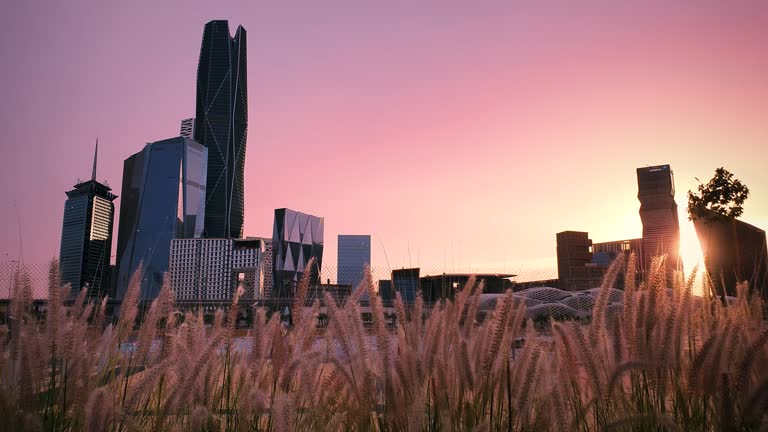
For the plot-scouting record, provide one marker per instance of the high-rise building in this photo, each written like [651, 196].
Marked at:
[210, 270]
[221, 125]
[86, 235]
[188, 128]
[163, 199]
[354, 254]
[658, 212]
[296, 238]
[575, 269]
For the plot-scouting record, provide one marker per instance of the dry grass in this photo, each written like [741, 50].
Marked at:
[666, 362]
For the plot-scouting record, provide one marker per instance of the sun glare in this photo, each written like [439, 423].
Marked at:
[690, 252]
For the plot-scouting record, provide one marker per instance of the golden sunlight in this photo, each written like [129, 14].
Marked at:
[690, 252]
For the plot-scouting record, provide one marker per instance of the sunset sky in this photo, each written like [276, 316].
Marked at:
[465, 133]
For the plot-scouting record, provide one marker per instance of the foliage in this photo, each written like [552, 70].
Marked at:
[667, 361]
[722, 198]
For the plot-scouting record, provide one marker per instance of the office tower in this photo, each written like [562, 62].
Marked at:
[86, 235]
[575, 269]
[406, 282]
[163, 199]
[221, 125]
[188, 128]
[658, 212]
[296, 238]
[354, 254]
[210, 270]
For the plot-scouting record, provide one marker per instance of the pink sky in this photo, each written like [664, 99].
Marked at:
[468, 135]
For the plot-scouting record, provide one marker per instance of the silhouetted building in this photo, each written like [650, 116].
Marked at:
[604, 253]
[734, 251]
[188, 128]
[221, 125]
[163, 199]
[86, 236]
[406, 282]
[575, 269]
[386, 292]
[658, 212]
[445, 286]
[354, 254]
[296, 238]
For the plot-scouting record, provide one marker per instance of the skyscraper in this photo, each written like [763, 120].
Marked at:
[86, 235]
[221, 125]
[354, 254]
[163, 199]
[658, 212]
[296, 238]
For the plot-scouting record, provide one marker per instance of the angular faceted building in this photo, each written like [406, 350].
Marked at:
[221, 125]
[296, 238]
[658, 212]
[86, 236]
[164, 199]
[354, 254]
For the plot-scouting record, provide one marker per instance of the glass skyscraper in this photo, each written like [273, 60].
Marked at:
[221, 125]
[354, 254]
[86, 236]
[163, 199]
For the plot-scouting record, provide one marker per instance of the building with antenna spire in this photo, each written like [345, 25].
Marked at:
[86, 235]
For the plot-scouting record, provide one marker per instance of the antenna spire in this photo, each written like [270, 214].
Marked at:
[95, 157]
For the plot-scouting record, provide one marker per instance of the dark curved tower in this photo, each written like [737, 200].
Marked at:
[221, 125]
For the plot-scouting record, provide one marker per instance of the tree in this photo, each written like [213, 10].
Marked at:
[722, 198]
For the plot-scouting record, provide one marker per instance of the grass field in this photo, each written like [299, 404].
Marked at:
[664, 362]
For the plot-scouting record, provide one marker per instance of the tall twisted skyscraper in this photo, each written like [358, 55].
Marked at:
[658, 212]
[221, 125]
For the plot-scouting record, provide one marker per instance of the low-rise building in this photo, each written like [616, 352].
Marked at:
[211, 270]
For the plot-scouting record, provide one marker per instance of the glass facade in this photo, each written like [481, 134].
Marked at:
[164, 186]
[296, 238]
[221, 126]
[354, 254]
[86, 238]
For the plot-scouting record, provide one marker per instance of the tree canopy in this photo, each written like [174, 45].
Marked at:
[722, 198]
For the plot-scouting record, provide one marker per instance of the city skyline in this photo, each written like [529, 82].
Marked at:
[458, 134]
